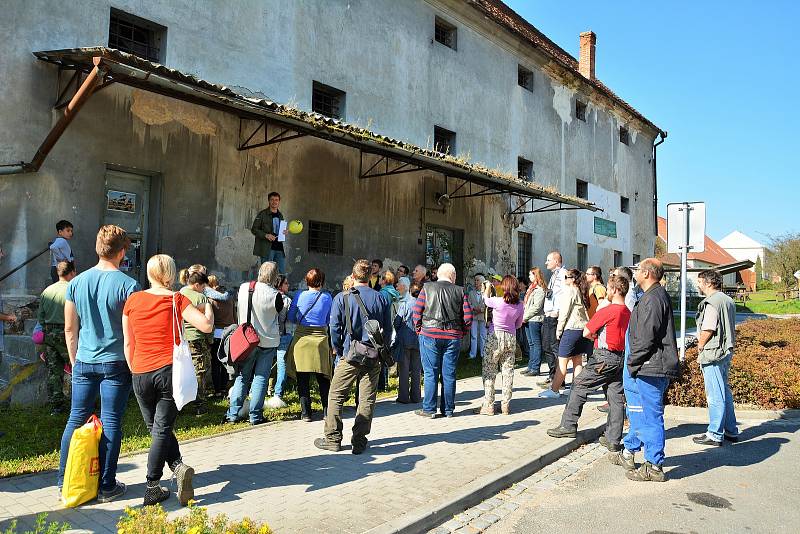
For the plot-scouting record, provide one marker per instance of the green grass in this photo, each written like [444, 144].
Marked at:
[690, 324]
[766, 301]
[33, 436]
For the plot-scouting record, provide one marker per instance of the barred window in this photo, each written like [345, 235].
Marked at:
[137, 36]
[327, 100]
[445, 33]
[325, 238]
[524, 254]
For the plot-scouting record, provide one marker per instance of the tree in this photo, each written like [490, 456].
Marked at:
[784, 259]
[759, 270]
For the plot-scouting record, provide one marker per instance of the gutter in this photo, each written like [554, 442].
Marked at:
[663, 136]
[70, 111]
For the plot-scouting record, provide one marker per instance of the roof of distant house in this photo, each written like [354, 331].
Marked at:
[737, 239]
[503, 15]
[713, 253]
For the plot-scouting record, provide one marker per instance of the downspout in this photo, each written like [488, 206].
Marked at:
[663, 136]
[81, 96]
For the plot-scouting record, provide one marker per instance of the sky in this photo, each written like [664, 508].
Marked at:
[722, 79]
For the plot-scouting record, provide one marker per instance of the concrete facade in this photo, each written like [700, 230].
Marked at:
[399, 82]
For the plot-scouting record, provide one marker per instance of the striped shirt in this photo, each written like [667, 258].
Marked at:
[439, 333]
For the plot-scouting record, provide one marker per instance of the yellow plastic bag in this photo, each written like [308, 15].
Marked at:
[82, 474]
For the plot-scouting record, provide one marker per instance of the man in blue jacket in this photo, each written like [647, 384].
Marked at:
[651, 364]
[366, 374]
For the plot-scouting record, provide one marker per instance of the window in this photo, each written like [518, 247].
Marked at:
[583, 261]
[137, 36]
[327, 100]
[618, 262]
[581, 189]
[636, 259]
[326, 238]
[624, 136]
[445, 33]
[524, 169]
[624, 204]
[444, 140]
[580, 110]
[524, 254]
[524, 78]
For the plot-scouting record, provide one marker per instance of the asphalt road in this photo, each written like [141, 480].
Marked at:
[750, 486]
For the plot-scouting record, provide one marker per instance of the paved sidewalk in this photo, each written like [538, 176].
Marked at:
[412, 468]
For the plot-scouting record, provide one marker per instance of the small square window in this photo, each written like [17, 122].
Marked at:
[636, 259]
[524, 78]
[325, 238]
[524, 169]
[444, 140]
[137, 36]
[624, 136]
[327, 100]
[580, 110]
[583, 257]
[624, 205]
[445, 33]
[581, 189]
[524, 254]
[618, 258]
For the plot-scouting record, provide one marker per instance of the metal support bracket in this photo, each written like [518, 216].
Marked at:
[284, 134]
[381, 166]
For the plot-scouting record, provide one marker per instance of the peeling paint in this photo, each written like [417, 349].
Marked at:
[233, 253]
[562, 101]
[155, 110]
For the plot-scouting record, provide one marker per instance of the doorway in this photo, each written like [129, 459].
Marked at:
[445, 245]
[127, 205]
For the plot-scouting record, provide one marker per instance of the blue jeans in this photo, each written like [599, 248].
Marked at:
[280, 380]
[439, 357]
[279, 257]
[645, 398]
[112, 381]
[721, 416]
[477, 339]
[252, 377]
[535, 346]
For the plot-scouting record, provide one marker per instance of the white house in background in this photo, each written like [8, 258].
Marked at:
[743, 247]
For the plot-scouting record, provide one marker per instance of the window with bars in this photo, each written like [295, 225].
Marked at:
[624, 135]
[583, 257]
[524, 169]
[327, 100]
[580, 110]
[445, 33]
[325, 238]
[524, 254]
[524, 78]
[444, 140]
[137, 36]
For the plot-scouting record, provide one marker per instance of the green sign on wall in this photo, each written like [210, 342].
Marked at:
[605, 227]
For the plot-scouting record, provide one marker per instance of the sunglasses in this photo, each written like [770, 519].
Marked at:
[570, 277]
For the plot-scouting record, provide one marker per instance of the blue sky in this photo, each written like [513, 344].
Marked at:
[721, 78]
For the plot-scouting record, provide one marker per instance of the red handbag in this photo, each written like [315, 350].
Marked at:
[245, 338]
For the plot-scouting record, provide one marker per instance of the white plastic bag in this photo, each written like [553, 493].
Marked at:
[184, 380]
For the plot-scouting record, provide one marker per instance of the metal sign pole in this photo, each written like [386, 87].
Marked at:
[684, 257]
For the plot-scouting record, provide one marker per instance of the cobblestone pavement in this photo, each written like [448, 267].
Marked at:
[273, 473]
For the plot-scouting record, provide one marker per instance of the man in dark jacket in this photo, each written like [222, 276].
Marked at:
[266, 229]
[345, 374]
[651, 364]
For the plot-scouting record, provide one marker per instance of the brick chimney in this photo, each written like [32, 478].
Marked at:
[586, 60]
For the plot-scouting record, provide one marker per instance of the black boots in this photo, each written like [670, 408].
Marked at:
[154, 493]
[305, 409]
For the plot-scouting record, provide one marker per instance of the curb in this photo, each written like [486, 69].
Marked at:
[701, 414]
[426, 518]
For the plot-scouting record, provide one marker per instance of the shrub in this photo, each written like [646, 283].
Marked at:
[153, 519]
[762, 285]
[765, 371]
[42, 526]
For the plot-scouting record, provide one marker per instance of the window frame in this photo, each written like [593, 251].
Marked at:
[582, 257]
[524, 248]
[317, 244]
[624, 204]
[438, 133]
[525, 78]
[156, 35]
[582, 189]
[522, 166]
[580, 110]
[624, 135]
[329, 92]
[445, 33]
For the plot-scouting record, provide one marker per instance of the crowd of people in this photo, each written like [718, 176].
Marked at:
[618, 336]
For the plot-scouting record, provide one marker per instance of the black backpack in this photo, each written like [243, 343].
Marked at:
[359, 352]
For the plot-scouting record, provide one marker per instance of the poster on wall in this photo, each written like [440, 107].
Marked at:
[121, 201]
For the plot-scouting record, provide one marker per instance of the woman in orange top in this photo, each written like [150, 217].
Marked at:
[150, 323]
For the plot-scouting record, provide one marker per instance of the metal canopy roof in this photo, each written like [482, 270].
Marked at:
[127, 69]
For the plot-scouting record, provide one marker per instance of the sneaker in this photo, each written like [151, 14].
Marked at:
[183, 483]
[548, 394]
[118, 490]
[647, 472]
[359, 449]
[526, 372]
[619, 458]
[731, 438]
[154, 493]
[544, 383]
[324, 444]
[505, 408]
[613, 447]
[561, 432]
[485, 410]
[703, 439]
[276, 403]
[423, 413]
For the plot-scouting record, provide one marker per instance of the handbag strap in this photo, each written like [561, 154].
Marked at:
[250, 292]
[176, 324]
[303, 315]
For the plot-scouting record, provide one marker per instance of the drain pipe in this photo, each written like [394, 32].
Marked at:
[663, 136]
[81, 96]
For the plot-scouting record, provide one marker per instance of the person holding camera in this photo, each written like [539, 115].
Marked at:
[360, 327]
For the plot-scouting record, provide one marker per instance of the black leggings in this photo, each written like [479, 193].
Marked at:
[304, 386]
[154, 394]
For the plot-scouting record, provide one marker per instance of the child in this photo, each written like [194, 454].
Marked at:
[197, 340]
[604, 368]
[59, 248]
